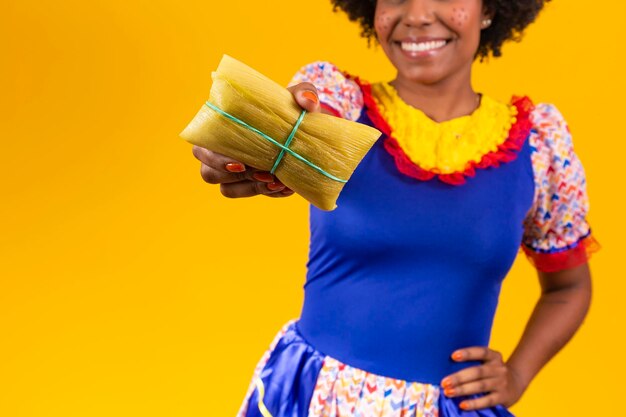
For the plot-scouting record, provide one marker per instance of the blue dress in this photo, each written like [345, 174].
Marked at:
[400, 275]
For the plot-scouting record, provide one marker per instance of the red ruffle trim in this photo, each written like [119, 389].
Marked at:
[567, 259]
[506, 152]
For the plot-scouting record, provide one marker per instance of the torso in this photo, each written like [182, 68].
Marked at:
[403, 272]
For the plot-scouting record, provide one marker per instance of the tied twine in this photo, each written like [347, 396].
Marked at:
[284, 148]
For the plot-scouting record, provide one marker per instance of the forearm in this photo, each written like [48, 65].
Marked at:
[555, 319]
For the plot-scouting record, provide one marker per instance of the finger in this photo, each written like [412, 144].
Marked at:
[284, 193]
[262, 176]
[217, 161]
[248, 189]
[307, 97]
[214, 176]
[474, 387]
[483, 353]
[472, 373]
[486, 401]
[275, 186]
[223, 169]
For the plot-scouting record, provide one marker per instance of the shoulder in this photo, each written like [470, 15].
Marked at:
[554, 160]
[550, 132]
[552, 145]
[557, 234]
[320, 70]
[337, 89]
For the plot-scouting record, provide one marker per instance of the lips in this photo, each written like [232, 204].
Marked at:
[421, 47]
[418, 39]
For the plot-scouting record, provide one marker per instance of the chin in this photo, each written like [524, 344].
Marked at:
[424, 77]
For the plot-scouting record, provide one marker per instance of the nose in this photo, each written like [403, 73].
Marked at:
[419, 12]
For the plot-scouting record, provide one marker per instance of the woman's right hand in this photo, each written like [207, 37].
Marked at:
[239, 180]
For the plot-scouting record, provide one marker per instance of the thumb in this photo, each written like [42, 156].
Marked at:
[307, 97]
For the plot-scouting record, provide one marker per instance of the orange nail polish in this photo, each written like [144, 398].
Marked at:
[449, 392]
[464, 405]
[235, 167]
[447, 382]
[310, 95]
[263, 176]
[457, 355]
[275, 186]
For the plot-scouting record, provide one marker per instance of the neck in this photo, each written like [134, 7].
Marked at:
[441, 101]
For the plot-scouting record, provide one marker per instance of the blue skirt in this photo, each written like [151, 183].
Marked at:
[293, 379]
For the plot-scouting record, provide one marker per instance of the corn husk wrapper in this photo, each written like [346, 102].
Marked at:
[334, 144]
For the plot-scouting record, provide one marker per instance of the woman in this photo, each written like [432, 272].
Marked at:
[404, 276]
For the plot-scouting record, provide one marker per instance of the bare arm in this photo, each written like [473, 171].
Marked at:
[561, 309]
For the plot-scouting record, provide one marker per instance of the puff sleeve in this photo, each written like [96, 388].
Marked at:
[556, 235]
[338, 93]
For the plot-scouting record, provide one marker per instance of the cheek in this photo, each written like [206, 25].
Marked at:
[459, 18]
[382, 22]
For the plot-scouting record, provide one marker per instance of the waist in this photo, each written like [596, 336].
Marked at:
[400, 334]
[294, 378]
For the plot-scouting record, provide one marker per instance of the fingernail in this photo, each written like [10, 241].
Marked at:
[275, 186]
[310, 95]
[447, 382]
[263, 176]
[287, 191]
[235, 167]
[457, 355]
[449, 392]
[464, 405]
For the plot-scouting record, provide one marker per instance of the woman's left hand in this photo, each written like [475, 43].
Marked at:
[494, 377]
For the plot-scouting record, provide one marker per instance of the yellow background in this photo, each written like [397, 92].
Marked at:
[129, 287]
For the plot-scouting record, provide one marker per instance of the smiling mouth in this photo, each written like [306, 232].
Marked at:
[423, 46]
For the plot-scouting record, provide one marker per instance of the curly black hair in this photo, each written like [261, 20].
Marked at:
[510, 18]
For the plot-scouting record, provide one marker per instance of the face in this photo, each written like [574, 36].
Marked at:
[429, 41]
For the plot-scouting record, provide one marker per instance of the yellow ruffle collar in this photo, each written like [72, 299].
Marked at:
[444, 147]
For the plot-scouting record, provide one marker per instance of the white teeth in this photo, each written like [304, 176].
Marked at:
[422, 46]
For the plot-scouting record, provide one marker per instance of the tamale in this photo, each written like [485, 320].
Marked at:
[316, 163]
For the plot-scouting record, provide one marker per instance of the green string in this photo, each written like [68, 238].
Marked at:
[284, 148]
[288, 141]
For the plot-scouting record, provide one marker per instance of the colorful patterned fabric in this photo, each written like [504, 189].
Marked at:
[344, 390]
[294, 379]
[337, 93]
[556, 233]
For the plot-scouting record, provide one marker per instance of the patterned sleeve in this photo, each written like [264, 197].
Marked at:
[337, 92]
[557, 235]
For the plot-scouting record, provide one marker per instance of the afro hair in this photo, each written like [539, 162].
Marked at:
[509, 19]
